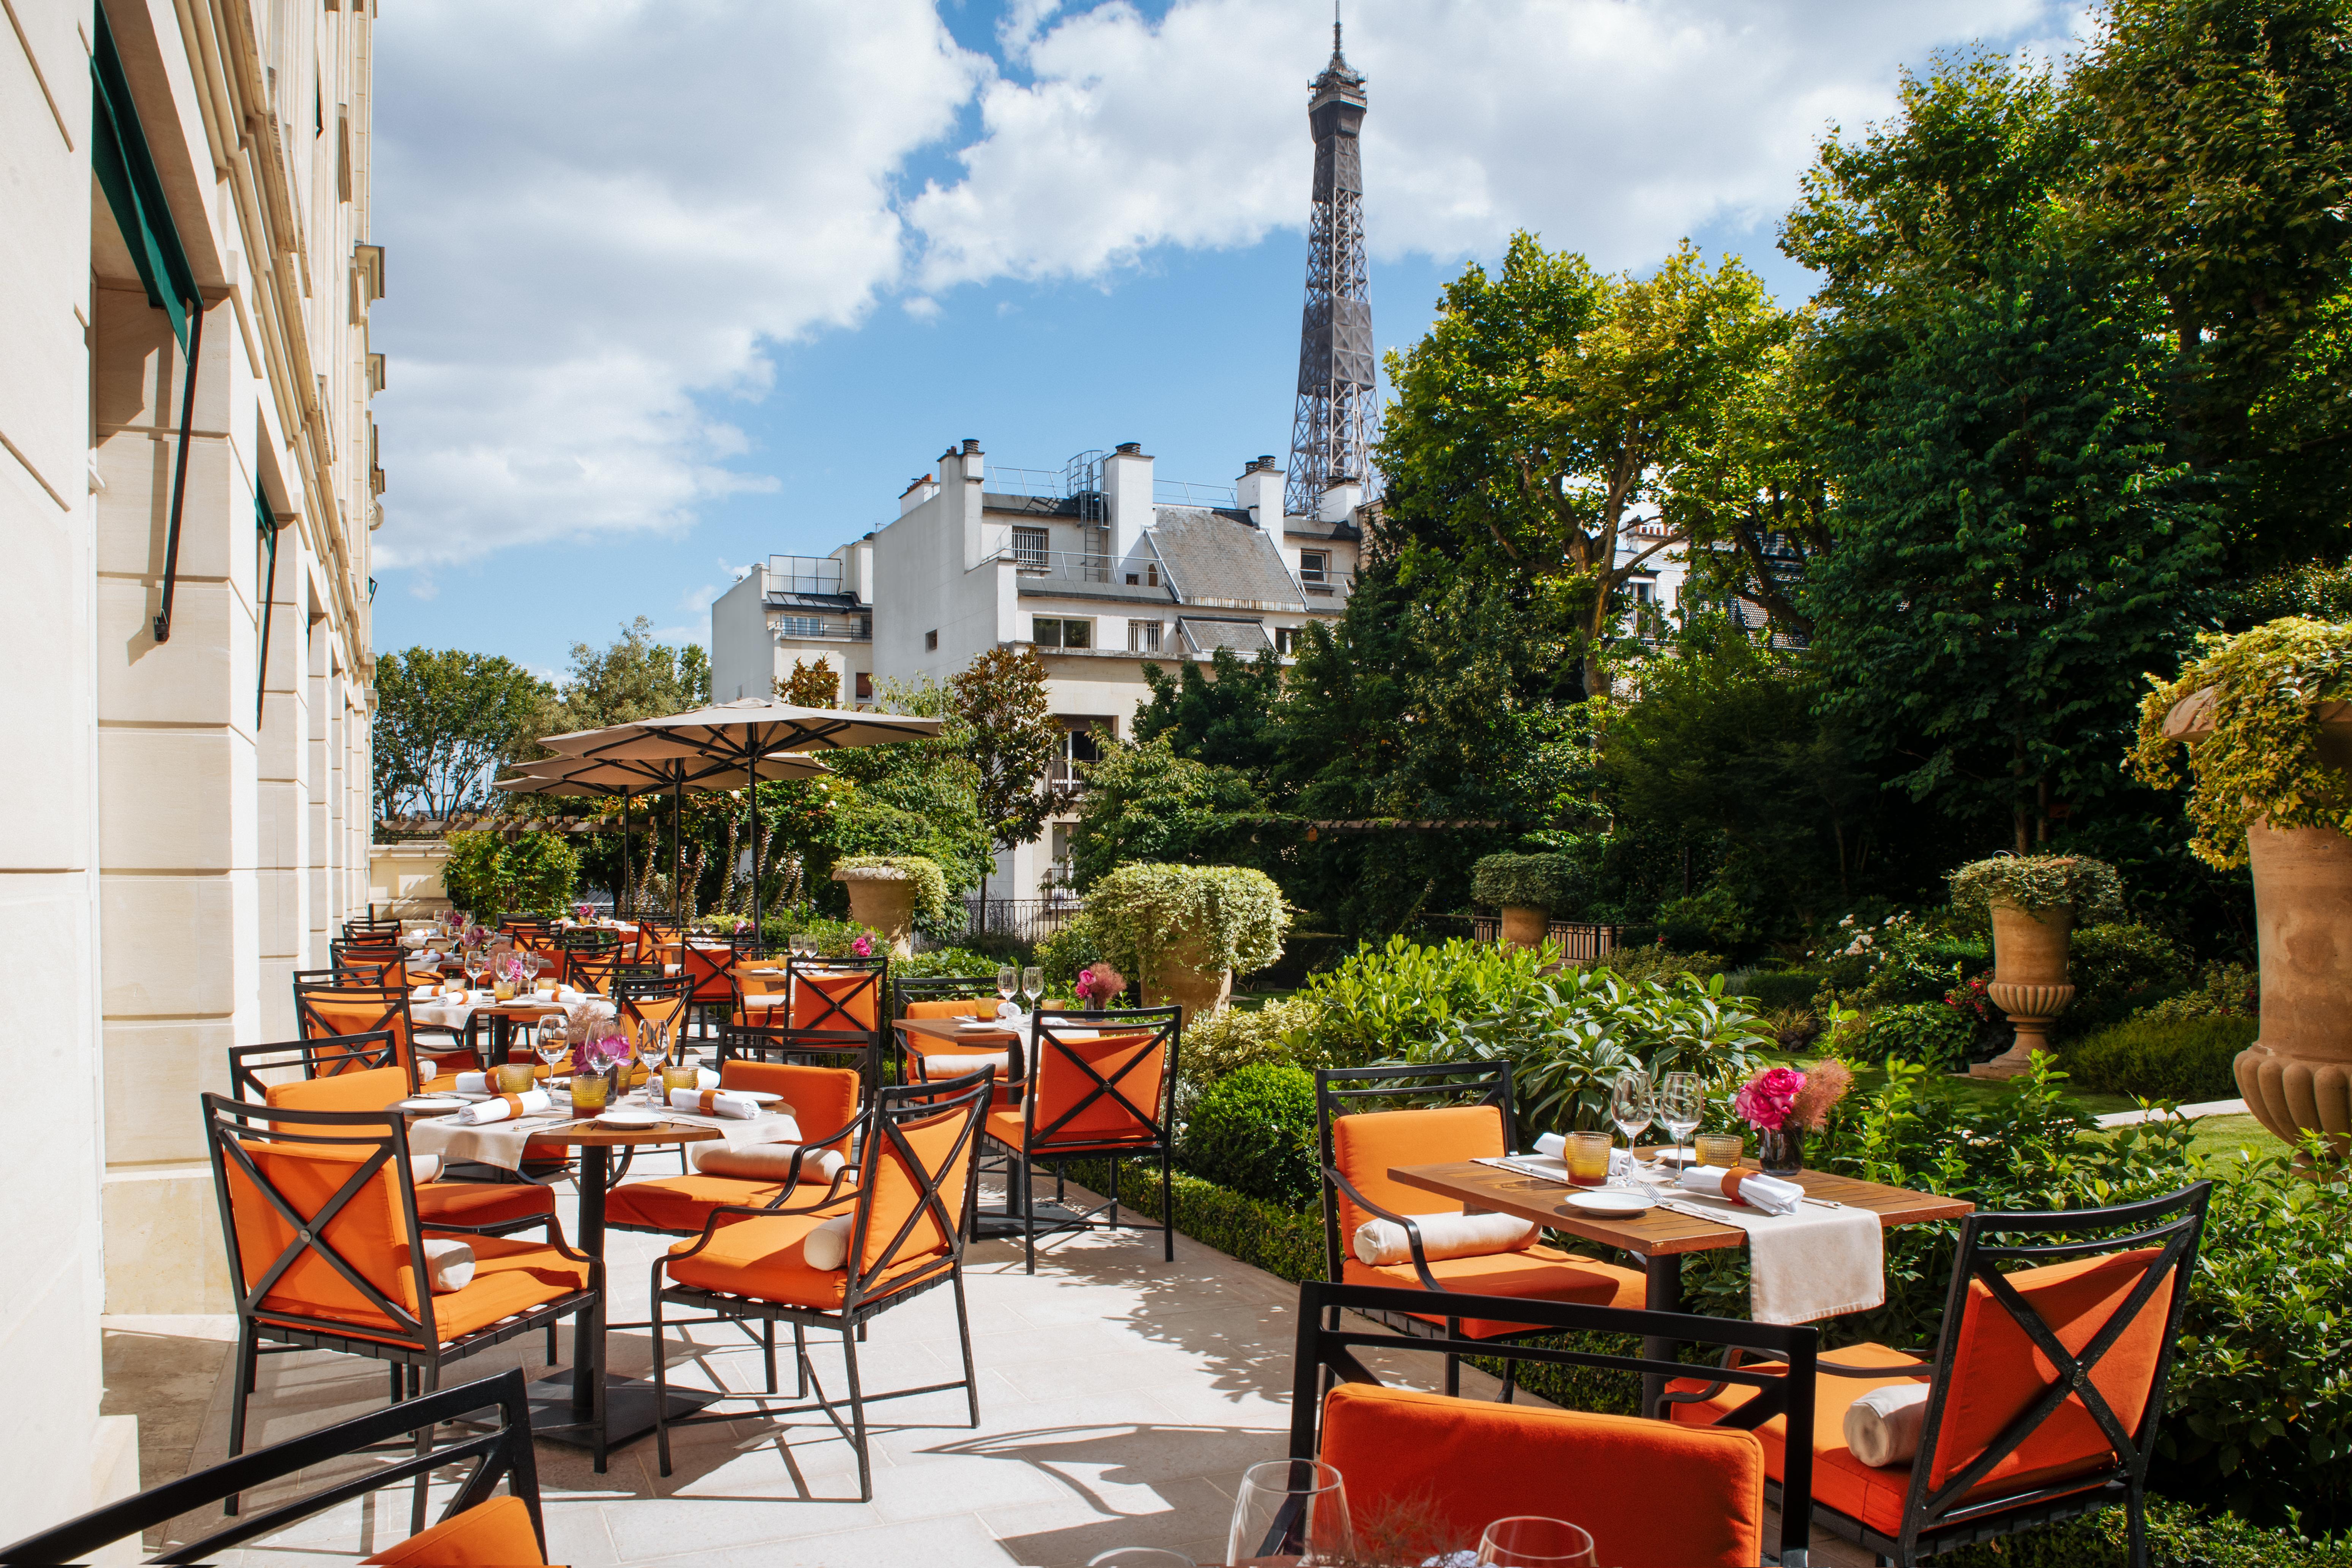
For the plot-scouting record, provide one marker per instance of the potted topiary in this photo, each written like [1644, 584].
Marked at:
[2033, 902]
[2267, 717]
[1184, 931]
[888, 892]
[1531, 891]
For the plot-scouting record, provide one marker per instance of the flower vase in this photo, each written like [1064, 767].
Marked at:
[1780, 1151]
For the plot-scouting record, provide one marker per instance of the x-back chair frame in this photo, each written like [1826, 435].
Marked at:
[1326, 1353]
[880, 1122]
[321, 1057]
[312, 988]
[501, 1453]
[409, 1340]
[1491, 1081]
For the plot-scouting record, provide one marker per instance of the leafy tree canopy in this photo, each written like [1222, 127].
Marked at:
[446, 721]
[1229, 719]
[1144, 802]
[635, 678]
[1010, 738]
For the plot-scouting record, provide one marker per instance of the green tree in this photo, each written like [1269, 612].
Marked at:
[2014, 548]
[635, 678]
[1010, 740]
[1547, 404]
[1146, 803]
[1228, 719]
[815, 685]
[445, 722]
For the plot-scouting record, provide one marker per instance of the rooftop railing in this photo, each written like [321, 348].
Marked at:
[823, 628]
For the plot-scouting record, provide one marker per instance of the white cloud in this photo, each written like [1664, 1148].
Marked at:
[1613, 126]
[598, 218]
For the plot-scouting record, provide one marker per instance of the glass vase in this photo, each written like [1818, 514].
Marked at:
[1781, 1151]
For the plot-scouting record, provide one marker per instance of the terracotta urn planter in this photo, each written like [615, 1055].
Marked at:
[1184, 979]
[2029, 981]
[883, 899]
[2297, 1077]
[1525, 927]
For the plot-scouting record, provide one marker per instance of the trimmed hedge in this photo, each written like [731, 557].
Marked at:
[1552, 883]
[1776, 989]
[1253, 1130]
[2179, 1536]
[2186, 1059]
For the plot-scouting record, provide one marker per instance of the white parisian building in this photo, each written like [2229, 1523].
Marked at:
[1097, 566]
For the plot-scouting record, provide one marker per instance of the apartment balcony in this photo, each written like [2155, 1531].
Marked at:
[822, 628]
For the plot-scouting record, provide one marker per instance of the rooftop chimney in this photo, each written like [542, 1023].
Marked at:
[970, 446]
[1341, 497]
[1259, 493]
[1127, 495]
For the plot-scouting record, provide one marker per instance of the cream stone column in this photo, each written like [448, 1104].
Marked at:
[284, 787]
[177, 787]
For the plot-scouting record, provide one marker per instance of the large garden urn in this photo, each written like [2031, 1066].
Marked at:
[2029, 980]
[1182, 976]
[882, 898]
[2297, 1076]
[1525, 927]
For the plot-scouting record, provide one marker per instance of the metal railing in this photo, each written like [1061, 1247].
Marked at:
[823, 628]
[804, 574]
[1183, 492]
[1022, 919]
[1580, 941]
[1060, 566]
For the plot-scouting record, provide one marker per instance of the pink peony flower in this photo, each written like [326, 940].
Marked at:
[1100, 984]
[862, 946]
[1765, 1101]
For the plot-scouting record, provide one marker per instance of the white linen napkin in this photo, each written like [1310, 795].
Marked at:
[1442, 1235]
[1012, 1018]
[529, 1102]
[1882, 1427]
[715, 1102]
[1769, 1193]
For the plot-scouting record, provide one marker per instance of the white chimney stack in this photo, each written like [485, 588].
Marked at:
[1259, 493]
[1126, 497]
[1341, 497]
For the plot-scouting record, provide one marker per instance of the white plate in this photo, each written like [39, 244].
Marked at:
[431, 1104]
[630, 1121]
[756, 1095]
[979, 1025]
[1663, 1156]
[1607, 1204]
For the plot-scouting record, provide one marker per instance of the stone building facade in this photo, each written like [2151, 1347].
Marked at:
[185, 800]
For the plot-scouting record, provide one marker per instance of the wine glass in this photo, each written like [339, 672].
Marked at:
[653, 1054]
[550, 1037]
[1681, 1104]
[1033, 985]
[1290, 1511]
[1531, 1540]
[1631, 1106]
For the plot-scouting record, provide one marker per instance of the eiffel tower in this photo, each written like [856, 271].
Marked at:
[1338, 420]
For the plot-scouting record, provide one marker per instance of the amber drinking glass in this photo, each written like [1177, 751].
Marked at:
[1587, 1158]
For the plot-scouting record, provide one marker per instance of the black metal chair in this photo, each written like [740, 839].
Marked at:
[2004, 1443]
[502, 1452]
[1455, 1464]
[1448, 1089]
[329, 1057]
[326, 1251]
[918, 1147]
[1095, 1086]
[371, 929]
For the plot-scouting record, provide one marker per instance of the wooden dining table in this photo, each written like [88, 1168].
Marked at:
[1662, 1238]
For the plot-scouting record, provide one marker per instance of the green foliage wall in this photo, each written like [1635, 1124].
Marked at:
[531, 874]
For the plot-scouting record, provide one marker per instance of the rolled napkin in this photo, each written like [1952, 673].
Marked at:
[827, 1246]
[426, 1071]
[940, 1065]
[448, 1264]
[1011, 1017]
[714, 1102]
[424, 1168]
[764, 1162]
[1551, 1144]
[1882, 1427]
[501, 1107]
[1379, 1241]
[1769, 1193]
[471, 1083]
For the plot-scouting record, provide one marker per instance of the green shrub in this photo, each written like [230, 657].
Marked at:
[1224, 1042]
[1284, 1239]
[1933, 1034]
[1709, 920]
[2116, 961]
[1254, 1131]
[2178, 1537]
[2037, 882]
[1568, 1036]
[1065, 951]
[2183, 1059]
[962, 961]
[930, 883]
[1555, 884]
[2222, 991]
[1774, 989]
[1139, 911]
[1378, 1001]
[1656, 961]
[492, 876]
[1913, 960]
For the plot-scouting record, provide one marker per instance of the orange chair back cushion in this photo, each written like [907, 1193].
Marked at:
[495, 1532]
[357, 1012]
[894, 1191]
[1426, 1474]
[369, 1089]
[950, 1007]
[822, 1099]
[706, 968]
[858, 998]
[369, 1233]
[1997, 1373]
[1062, 1085]
[661, 1012]
[1365, 1147]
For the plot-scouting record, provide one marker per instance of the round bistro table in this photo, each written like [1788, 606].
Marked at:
[561, 1401]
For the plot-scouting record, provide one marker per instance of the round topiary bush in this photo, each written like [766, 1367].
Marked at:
[1141, 913]
[1552, 883]
[1254, 1131]
[2038, 882]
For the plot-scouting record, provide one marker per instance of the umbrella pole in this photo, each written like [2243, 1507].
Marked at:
[752, 795]
[677, 853]
[625, 853]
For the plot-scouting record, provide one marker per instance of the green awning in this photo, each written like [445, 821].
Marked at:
[126, 173]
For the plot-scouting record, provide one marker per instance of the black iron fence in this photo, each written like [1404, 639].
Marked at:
[1022, 919]
[1580, 941]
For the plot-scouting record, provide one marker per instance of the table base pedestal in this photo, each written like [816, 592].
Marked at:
[628, 1410]
[995, 1225]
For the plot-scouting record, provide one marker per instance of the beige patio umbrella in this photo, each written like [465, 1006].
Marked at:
[738, 732]
[569, 776]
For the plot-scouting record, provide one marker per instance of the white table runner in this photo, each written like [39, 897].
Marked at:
[1804, 1266]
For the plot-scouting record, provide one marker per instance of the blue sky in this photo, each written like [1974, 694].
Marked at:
[667, 296]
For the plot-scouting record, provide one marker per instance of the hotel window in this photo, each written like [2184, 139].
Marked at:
[800, 626]
[1057, 633]
[1285, 640]
[931, 642]
[1315, 566]
[1143, 636]
[1029, 548]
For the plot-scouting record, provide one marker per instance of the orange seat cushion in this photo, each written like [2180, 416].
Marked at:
[951, 1007]
[1010, 1129]
[1651, 1495]
[488, 1535]
[1996, 1375]
[762, 1258]
[482, 1203]
[366, 1088]
[682, 1205]
[824, 1100]
[1535, 1273]
[1365, 1146]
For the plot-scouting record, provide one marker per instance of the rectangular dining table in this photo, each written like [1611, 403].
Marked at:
[1662, 1238]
